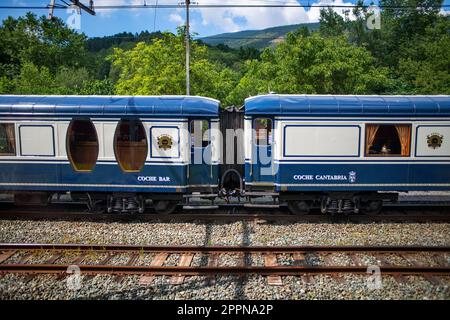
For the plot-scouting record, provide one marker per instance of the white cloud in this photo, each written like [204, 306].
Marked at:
[314, 13]
[236, 19]
[444, 12]
[108, 12]
[177, 18]
[230, 19]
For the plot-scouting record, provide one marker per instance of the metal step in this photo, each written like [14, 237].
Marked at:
[200, 207]
[261, 205]
[261, 193]
[205, 195]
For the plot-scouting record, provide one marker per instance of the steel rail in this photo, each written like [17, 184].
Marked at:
[434, 212]
[222, 270]
[219, 249]
[9, 249]
[207, 216]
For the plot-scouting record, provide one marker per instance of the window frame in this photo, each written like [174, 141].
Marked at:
[21, 134]
[256, 140]
[396, 155]
[68, 149]
[191, 121]
[13, 154]
[147, 145]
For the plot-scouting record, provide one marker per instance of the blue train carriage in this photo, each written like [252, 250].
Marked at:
[346, 153]
[112, 152]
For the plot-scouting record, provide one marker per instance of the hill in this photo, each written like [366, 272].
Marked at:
[256, 38]
[125, 40]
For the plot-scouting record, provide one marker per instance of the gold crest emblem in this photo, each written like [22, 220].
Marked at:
[165, 142]
[435, 140]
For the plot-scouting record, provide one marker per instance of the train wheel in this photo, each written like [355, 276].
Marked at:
[165, 206]
[299, 207]
[372, 207]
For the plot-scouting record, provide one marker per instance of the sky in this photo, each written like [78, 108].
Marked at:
[204, 21]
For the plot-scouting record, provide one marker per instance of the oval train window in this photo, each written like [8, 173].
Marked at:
[82, 145]
[130, 145]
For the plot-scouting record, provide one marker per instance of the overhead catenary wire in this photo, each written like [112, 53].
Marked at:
[280, 4]
[229, 5]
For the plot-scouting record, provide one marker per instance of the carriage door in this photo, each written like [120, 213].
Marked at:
[262, 167]
[200, 169]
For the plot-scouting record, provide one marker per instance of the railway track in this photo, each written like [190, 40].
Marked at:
[432, 263]
[396, 214]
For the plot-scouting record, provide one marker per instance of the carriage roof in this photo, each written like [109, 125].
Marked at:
[348, 105]
[109, 106]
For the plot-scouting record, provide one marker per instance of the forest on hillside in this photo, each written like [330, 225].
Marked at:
[409, 54]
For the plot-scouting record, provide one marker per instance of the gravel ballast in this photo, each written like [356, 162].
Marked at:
[247, 233]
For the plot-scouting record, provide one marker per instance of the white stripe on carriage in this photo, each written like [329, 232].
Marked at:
[325, 161]
[69, 118]
[202, 185]
[309, 118]
[89, 185]
[361, 118]
[268, 184]
[98, 162]
[314, 161]
[351, 185]
[364, 185]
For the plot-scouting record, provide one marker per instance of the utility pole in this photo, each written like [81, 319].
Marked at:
[188, 84]
[51, 8]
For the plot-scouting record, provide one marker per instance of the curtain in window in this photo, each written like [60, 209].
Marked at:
[371, 134]
[404, 134]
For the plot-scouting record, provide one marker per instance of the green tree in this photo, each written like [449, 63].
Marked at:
[158, 68]
[70, 80]
[413, 42]
[34, 80]
[424, 69]
[98, 87]
[67, 81]
[331, 23]
[6, 85]
[44, 43]
[312, 64]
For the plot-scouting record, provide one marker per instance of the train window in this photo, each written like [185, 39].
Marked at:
[199, 133]
[82, 145]
[386, 140]
[130, 145]
[7, 139]
[263, 131]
